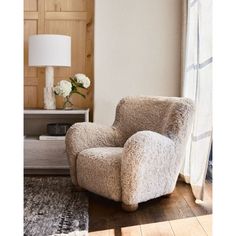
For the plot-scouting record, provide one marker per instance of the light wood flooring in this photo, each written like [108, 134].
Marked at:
[192, 226]
[177, 215]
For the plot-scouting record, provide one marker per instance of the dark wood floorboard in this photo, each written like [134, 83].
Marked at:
[107, 214]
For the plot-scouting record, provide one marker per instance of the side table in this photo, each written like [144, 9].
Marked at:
[47, 156]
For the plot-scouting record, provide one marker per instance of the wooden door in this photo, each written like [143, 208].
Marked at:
[71, 17]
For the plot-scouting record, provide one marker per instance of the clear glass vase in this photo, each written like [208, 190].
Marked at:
[68, 105]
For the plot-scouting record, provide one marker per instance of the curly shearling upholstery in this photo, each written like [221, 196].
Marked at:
[105, 164]
[139, 157]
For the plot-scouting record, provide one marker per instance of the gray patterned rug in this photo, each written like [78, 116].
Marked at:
[53, 206]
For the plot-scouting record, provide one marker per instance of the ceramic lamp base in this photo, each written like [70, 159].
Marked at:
[49, 96]
[49, 99]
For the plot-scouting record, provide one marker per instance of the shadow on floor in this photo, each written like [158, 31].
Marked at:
[107, 214]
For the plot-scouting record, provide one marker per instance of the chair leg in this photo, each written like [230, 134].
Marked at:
[129, 208]
[167, 195]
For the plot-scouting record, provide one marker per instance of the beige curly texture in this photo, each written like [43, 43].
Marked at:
[139, 157]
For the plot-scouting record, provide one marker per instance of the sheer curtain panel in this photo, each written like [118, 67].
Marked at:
[197, 85]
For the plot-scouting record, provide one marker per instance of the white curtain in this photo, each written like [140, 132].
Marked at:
[197, 85]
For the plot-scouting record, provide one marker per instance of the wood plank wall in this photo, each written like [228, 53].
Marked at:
[71, 17]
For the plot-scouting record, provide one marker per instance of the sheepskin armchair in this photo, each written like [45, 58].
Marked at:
[136, 159]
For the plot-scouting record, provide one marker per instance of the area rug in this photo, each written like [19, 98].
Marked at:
[53, 206]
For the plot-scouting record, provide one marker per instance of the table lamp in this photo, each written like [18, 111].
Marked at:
[49, 50]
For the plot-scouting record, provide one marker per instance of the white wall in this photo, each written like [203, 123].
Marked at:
[137, 51]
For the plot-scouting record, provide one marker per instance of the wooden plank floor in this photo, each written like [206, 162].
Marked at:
[192, 226]
[107, 218]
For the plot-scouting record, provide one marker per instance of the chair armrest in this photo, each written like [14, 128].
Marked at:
[147, 167]
[86, 135]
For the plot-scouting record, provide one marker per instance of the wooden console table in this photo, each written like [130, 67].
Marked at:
[47, 156]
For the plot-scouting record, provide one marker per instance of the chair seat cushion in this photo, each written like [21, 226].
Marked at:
[98, 170]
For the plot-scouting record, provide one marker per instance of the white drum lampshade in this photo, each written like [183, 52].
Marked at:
[49, 50]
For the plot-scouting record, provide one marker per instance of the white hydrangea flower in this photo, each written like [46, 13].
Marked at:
[86, 82]
[63, 88]
[82, 79]
[56, 89]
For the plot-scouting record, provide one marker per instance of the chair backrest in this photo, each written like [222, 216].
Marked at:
[169, 116]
